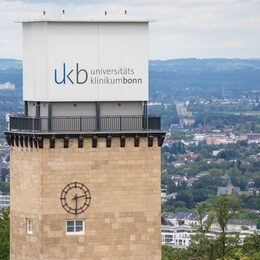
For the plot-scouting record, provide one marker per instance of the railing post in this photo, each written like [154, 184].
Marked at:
[120, 123]
[98, 123]
[40, 124]
[145, 127]
[49, 123]
[33, 124]
[9, 125]
[80, 124]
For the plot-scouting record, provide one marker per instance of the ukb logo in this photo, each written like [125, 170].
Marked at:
[74, 76]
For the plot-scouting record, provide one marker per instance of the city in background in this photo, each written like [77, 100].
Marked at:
[211, 111]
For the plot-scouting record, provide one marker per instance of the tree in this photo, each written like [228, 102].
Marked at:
[222, 216]
[4, 173]
[201, 247]
[171, 187]
[257, 180]
[201, 211]
[4, 187]
[169, 253]
[186, 197]
[181, 148]
[251, 245]
[4, 235]
[199, 195]
[228, 154]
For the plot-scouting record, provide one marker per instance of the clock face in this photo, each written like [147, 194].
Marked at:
[75, 198]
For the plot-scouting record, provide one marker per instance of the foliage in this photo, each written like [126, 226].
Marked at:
[251, 244]
[178, 148]
[5, 187]
[223, 247]
[171, 187]
[169, 253]
[3, 174]
[178, 135]
[168, 113]
[256, 179]
[4, 235]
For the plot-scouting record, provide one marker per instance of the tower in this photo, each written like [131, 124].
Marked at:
[85, 156]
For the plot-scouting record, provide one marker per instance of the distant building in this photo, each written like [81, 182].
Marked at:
[255, 157]
[171, 196]
[163, 195]
[217, 139]
[240, 227]
[237, 225]
[7, 178]
[7, 86]
[216, 152]
[180, 235]
[179, 180]
[228, 190]
[182, 218]
[177, 236]
[4, 201]
[178, 164]
[188, 156]
[199, 138]
[241, 224]
[253, 138]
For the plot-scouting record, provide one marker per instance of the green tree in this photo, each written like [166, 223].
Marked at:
[169, 253]
[4, 187]
[251, 245]
[171, 187]
[222, 216]
[186, 197]
[4, 235]
[4, 173]
[257, 180]
[199, 195]
[201, 211]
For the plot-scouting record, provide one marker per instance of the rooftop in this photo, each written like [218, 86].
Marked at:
[89, 20]
[182, 215]
[245, 222]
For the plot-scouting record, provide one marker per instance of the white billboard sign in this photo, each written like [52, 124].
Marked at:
[85, 61]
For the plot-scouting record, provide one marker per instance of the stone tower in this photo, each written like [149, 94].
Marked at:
[85, 156]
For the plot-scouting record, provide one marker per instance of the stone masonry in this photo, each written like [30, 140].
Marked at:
[123, 220]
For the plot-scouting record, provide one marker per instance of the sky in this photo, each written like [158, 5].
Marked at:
[183, 28]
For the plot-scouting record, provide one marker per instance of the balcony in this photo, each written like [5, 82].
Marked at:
[84, 124]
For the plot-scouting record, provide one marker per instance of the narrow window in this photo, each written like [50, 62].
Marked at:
[75, 227]
[29, 226]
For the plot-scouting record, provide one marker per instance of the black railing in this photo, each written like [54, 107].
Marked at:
[84, 124]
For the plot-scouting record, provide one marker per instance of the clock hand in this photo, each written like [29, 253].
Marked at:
[82, 196]
[76, 208]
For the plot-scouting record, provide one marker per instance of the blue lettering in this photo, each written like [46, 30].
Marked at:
[63, 81]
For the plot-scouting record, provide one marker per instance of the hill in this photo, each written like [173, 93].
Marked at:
[176, 79]
[171, 79]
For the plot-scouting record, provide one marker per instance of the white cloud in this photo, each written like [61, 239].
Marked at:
[185, 28]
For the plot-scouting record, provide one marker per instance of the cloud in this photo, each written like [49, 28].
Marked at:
[185, 28]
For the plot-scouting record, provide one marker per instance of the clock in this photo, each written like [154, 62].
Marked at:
[75, 198]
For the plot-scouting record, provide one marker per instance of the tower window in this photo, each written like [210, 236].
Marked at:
[75, 227]
[29, 226]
